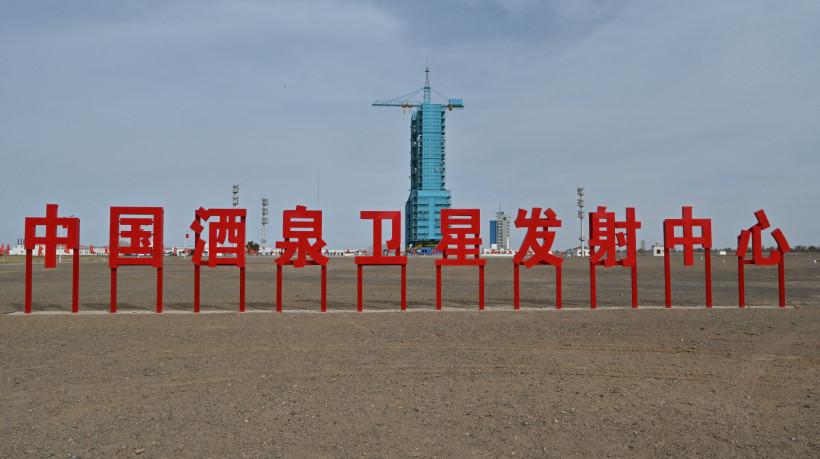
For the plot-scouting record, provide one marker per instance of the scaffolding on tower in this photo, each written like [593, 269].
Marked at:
[428, 194]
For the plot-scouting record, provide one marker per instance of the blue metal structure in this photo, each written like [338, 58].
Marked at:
[428, 195]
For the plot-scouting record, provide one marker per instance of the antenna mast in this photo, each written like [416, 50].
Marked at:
[427, 85]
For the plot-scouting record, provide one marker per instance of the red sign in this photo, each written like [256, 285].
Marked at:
[539, 239]
[141, 241]
[136, 238]
[303, 225]
[378, 258]
[775, 255]
[51, 239]
[604, 239]
[688, 240]
[460, 229]
[226, 245]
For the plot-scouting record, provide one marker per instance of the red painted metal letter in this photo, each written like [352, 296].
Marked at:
[303, 225]
[604, 239]
[460, 229]
[378, 257]
[776, 256]
[49, 243]
[688, 240]
[145, 246]
[226, 245]
[539, 239]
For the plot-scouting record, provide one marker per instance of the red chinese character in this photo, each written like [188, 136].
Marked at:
[460, 229]
[688, 240]
[71, 241]
[776, 256]
[754, 233]
[141, 241]
[378, 258]
[51, 240]
[604, 234]
[226, 237]
[393, 244]
[303, 225]
[226, 245]
[539, 239]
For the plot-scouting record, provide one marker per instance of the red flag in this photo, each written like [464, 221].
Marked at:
[3, 248]
[91, 249]
[40, 252]
[106, 250]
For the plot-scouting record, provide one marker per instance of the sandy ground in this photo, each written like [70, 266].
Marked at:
[537, 382]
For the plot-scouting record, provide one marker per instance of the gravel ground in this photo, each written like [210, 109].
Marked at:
[537, 382]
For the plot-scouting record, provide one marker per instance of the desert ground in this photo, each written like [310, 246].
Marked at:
[537, 382]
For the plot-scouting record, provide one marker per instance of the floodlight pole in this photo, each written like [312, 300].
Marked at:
[264, 218]
[581, 217]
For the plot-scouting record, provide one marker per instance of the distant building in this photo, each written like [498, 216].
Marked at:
[657, 249]
[500, 231]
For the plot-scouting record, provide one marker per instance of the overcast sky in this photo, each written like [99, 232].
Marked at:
[654, 105]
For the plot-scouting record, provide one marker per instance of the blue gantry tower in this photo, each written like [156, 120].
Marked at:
[428, 195]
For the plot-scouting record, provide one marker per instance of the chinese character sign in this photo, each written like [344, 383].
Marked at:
[303, 225]
[136, 238]
[50, 240]
[776, 255]
[226, 236]
[226, 245]
[755, 234]
[688, 240]
[604, 241]
[141, 228]
[460, 229]
[460, 241]
[393, 244]
[379, 258]
[539, 238]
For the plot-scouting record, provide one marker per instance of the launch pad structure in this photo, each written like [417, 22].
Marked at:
[428, 192]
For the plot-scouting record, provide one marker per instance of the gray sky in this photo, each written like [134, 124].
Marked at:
[648, 104]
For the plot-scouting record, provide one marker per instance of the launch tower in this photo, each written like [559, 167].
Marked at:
[428, 195]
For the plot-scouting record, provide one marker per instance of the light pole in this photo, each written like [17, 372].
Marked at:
[264, 220]
[581, 217]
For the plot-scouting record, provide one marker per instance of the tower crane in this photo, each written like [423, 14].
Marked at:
[410, 100]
